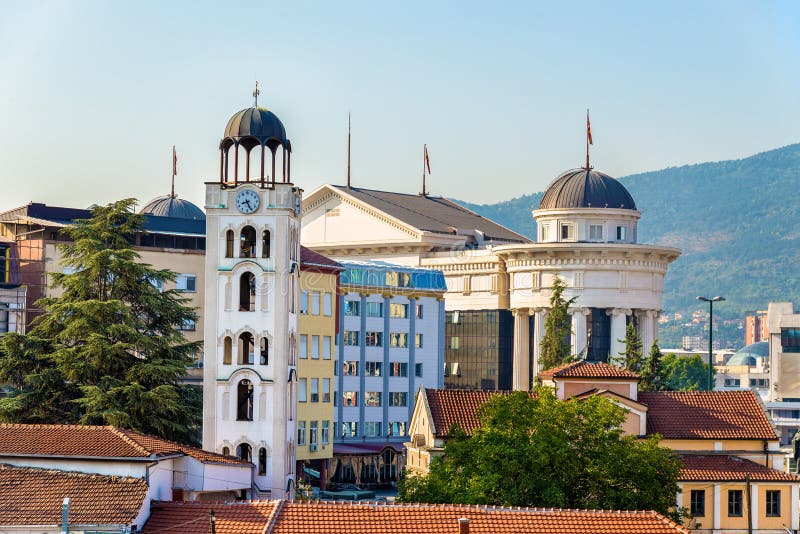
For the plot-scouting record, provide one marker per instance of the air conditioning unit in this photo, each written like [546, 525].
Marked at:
[312, 447]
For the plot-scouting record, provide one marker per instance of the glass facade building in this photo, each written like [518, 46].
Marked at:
[478, 349]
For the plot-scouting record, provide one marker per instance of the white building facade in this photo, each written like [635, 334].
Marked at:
[251, 301]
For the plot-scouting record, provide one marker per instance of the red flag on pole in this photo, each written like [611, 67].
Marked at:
[427, 160]
[174, 161]
[588, 128]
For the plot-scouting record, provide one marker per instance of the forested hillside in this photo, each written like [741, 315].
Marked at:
[737, 222]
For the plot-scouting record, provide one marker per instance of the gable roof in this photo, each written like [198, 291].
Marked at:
[95, 442]
[32, 496]
[707, 415]
[238, 517]
[432, 214]
[451, 406]
[303, 517]
[310, 259]
[589, 369]
[720, 468]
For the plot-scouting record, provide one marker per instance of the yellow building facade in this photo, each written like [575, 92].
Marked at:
[319, 282]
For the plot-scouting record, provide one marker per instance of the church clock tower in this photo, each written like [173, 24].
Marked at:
[252, 279]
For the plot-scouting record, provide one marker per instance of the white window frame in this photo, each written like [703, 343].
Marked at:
[182, 283]
[303, 346]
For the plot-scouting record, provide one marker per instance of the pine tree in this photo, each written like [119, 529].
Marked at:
[555, 345]
[109, 349]
[653, 371]
[632, 358]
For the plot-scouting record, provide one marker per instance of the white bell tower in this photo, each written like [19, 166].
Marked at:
[252, 280]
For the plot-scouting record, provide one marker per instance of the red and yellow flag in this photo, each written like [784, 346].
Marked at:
[427, 160]
[588, 128]
[174, 161]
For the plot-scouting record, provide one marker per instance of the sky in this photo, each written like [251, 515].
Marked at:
[94, 94]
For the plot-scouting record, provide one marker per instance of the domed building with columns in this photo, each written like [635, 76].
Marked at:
[586, 235]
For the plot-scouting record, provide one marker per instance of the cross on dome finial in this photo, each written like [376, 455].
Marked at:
[256, 92]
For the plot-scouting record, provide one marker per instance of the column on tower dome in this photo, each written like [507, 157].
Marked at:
[540, 317]
[579, 330]
[618, 325]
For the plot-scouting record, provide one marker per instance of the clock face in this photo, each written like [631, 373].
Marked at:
[247, 201]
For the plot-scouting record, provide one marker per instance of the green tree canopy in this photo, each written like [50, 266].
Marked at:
[683, 373]
[632, 358]
[546, 452]
[653, 370]
[108, 349]
[555, 344]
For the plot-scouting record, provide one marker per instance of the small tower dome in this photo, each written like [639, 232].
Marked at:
[250, 129]
[172, 206]
[586, 188]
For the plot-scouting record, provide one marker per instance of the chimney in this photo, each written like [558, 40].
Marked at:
[463, 526]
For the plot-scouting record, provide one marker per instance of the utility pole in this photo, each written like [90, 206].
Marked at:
[749, 502]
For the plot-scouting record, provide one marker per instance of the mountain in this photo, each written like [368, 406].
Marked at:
[737, 223]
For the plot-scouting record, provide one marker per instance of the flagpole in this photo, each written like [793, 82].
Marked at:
[348, 150]
[172, 194]
[424, 152]
[587, 139]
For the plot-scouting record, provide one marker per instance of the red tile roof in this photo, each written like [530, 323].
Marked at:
[450, 406]
[309, 258]
[589, 369]
[720, 468]
[707, 415]
[94, 441]
[243, 517]
[316, 517]
[31, 496]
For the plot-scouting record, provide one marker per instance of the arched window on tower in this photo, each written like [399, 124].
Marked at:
[227, 350]
[248, 243]
[245, 452]
[265, 245]
[264, 351]
[246, 349]
[244, 404]
[262, 461]
[229, 242]
[247, 292]
[226, 451]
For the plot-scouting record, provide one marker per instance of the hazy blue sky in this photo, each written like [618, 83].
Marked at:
[94, 94]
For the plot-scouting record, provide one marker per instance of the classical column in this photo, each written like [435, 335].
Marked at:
[618, 324]
[538, 334]
[522, 357]
[647, 328]
[579, 331]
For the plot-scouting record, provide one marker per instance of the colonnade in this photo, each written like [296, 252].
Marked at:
[525, 339]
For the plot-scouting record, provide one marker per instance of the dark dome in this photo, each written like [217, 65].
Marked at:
[169, 206]
[747, 355]
[255, 126]
[581, 188]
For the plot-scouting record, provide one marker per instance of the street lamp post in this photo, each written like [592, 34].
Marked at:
[710, 335]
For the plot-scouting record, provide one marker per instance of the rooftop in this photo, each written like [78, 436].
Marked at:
[76, 441]
[589, 369]
[383, 274]
[720, 468]
[309, 517]
[451, 406]
[32, 496]
[309, 258]
[707, 415]
[586, 188]
[433, 214]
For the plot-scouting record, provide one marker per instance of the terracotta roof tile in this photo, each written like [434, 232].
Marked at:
[310, 258]
[450, 406]
[31, 496]
[713, 468]
[706, 415]
[244, 517]
[94, 441]
[378, 518]
[587, 369]
[320, 517]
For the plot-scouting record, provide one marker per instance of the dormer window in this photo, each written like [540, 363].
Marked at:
[621, 233]
[567, 232]
[596, 232]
